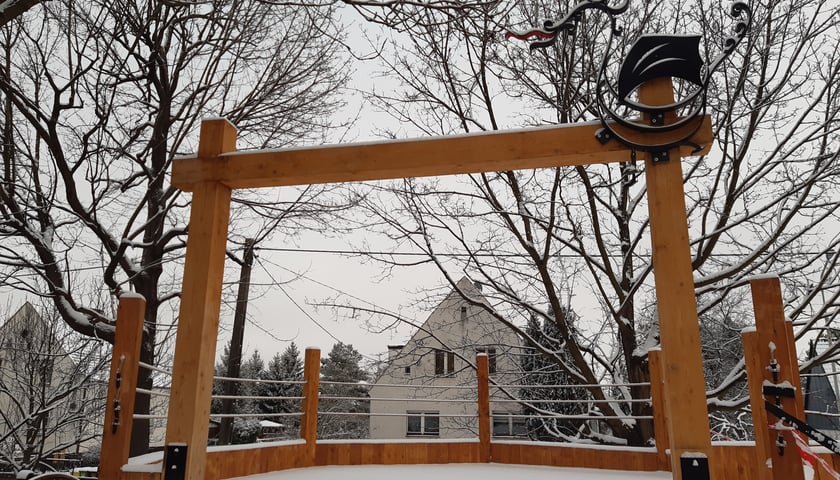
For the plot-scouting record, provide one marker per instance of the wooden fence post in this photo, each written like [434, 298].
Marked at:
[483, 375]
[309, 420]
[773, 344]
[660, 408]
[682, 360]
[755, 379]
[122, 384]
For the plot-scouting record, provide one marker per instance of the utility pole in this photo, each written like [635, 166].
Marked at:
[235, 355]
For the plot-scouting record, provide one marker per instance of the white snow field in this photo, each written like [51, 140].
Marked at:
[460, 471]
[455, 471]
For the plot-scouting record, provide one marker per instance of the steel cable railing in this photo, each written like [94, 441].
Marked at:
[428, 409]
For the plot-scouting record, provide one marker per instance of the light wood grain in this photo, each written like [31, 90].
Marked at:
[198, 322]
[125, 358]
[682, 361]
[568, 145]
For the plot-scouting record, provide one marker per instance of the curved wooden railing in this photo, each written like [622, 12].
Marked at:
[732, 460]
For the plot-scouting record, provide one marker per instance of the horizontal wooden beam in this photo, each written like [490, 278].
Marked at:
[540, 147]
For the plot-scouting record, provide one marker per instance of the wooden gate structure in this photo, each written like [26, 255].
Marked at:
[218, 168]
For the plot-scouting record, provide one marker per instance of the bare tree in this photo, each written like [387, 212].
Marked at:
[545, 241]
[11, 9]
[51, 389]
[99, 97]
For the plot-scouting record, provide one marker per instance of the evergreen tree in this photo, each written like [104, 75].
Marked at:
[541, 371]
[219, 385]
[343, 365]
[287, 366]
[245, 429]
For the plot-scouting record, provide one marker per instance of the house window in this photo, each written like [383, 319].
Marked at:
[423, 423]
[407, 370]
[506, 425]
[444, 362]
[463, 313]
[491, 357]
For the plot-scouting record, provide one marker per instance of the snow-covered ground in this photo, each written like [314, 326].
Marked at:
[474, 471]
[493, 471]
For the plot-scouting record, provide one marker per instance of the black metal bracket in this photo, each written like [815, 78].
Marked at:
[777, 391]
[804, 428]
[657, 119]
[694, 467]
[649, 58]
[175, 461]
[117, 391]
[661, 156]
[117, 409]
[603, 135]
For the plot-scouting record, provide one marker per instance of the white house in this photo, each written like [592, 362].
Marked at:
[432, 378]
[49, 396]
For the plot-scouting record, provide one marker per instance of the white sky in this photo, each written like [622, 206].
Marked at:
[280, 315]
[276, 316]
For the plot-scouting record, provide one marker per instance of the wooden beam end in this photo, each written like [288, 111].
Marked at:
[217, 136]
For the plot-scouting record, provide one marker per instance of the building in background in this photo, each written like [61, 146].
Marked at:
[821, 386]
[428, 386]
[52, 392]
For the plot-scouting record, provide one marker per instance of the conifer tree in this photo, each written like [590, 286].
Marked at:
[287, 366]
[343, 365]
[542, 374]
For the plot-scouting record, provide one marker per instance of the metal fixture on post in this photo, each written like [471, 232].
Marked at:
[652, 56]
[636, 106]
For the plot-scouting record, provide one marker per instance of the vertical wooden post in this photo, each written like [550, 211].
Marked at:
[796, 380]
[309, 420]
[678, 325]
[198, 323]
[483, 376]
[660, 407]
[774, 343]
[756, 367]
[119, 410]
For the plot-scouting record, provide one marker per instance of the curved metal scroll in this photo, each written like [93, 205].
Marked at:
[650, 57]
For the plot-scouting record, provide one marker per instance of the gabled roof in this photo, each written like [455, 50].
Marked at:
[27, 318]
[464, 286]
[820, 397]
[25, 312]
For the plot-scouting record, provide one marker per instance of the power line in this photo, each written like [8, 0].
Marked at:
[295, 303]
[338, 290]
[457, 255]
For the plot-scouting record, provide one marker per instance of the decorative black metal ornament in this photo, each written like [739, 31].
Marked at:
[651, 56]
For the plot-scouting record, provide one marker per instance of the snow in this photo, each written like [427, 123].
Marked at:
[399, 141]
[211, 119]
[492, 471]
[762, 276]
[147, 458]
[387, 441]
[783, 384]
[588, 446]
[250, 446]
[149, 468]
[132, 295]
[270, 424]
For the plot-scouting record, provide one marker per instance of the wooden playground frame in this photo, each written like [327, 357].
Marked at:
[681, 414]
